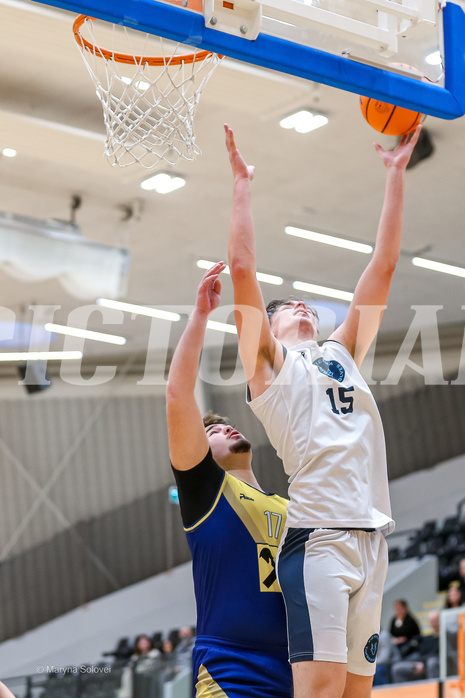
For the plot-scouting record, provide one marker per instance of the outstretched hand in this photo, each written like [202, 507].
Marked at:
[239, 166]
[400, 156]
[209, 291]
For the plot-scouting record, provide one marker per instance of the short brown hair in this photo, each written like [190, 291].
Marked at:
[403, 603]
[273, 306]
[211, 418]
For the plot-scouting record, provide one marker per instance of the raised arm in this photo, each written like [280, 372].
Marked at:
[260, 352]
[186, 434]
[359, 328]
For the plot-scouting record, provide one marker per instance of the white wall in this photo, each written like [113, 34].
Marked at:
[415, 580]
[79, 637]
[428, 494]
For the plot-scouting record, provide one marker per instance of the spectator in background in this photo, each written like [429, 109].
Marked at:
[404, 628]
[424, 662]
[143, 648]
[157, 641]
[146, 660]
[169, 660]
[454, 597]
[185, 645]
[462, 577]
[167, 647]
[139, 677]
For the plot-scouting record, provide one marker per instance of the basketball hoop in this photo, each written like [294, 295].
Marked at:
[149, 102]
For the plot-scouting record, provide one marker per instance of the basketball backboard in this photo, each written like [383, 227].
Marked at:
[376, 48]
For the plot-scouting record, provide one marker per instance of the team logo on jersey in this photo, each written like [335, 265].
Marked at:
[267, 568]
[332, 369]
[371, 648]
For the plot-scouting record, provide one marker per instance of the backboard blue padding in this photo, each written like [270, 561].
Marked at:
[188, 27]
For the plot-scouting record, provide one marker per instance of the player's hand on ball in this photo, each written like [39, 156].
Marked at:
[209, 291]
[400, 156]
[239, 167]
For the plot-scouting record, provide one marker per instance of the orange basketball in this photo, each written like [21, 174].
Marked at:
[388, 119]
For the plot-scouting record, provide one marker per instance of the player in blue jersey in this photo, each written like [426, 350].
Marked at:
[233, 529]
[320, 416]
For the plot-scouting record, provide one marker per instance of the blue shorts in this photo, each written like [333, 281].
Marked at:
[221, 670]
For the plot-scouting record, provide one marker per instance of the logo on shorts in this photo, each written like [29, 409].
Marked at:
[332, 369]
[371, 649]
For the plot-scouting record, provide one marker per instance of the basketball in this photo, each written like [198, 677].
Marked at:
[388, 119]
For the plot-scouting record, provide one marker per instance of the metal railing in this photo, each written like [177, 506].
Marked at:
[449, 664]
[157, 677]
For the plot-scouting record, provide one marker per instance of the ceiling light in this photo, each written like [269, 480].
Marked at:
[261, 276]
[19, 335]
[304, 121]
[434, 58]
[140, 84]
[221, 327]
[85, 334]
[205, 264]
[9, 152]
[438, 266]
[323, 291]
[40, 355]
[269, 279]
[163, 183]
[328, 239]
[138, 309]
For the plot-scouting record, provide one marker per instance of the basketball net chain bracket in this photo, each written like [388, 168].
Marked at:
[240, 17]
[247, 18]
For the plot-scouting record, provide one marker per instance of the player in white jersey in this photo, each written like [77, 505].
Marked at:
[321, 417]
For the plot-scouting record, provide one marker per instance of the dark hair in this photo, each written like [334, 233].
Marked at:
[448, 603]
[212, 418]
[273, 306]
[140, 637]
[403, 603]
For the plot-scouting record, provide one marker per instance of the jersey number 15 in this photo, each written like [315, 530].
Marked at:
[344, 399]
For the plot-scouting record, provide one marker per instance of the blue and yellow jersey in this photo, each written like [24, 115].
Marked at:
[234, 538]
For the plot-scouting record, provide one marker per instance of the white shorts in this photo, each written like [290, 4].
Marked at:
[332, 582]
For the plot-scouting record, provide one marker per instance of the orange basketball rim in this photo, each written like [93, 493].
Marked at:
[127, 58]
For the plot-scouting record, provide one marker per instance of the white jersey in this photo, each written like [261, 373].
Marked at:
[323, 421]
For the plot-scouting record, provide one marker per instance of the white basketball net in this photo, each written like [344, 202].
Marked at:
[148, 110]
